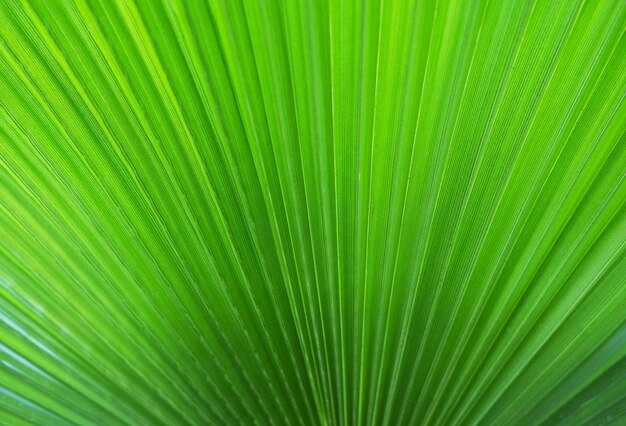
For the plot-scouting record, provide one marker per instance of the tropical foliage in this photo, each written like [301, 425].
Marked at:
[312, 212]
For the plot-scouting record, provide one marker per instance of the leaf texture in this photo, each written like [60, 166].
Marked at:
[312, 212]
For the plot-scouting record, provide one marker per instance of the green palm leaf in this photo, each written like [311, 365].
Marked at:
[312, 212]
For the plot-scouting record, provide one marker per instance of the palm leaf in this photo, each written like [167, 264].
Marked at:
[312, 212]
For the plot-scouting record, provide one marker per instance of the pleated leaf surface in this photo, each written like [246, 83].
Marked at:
[334, 212]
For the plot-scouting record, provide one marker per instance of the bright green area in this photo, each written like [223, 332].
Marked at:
[336, 212]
